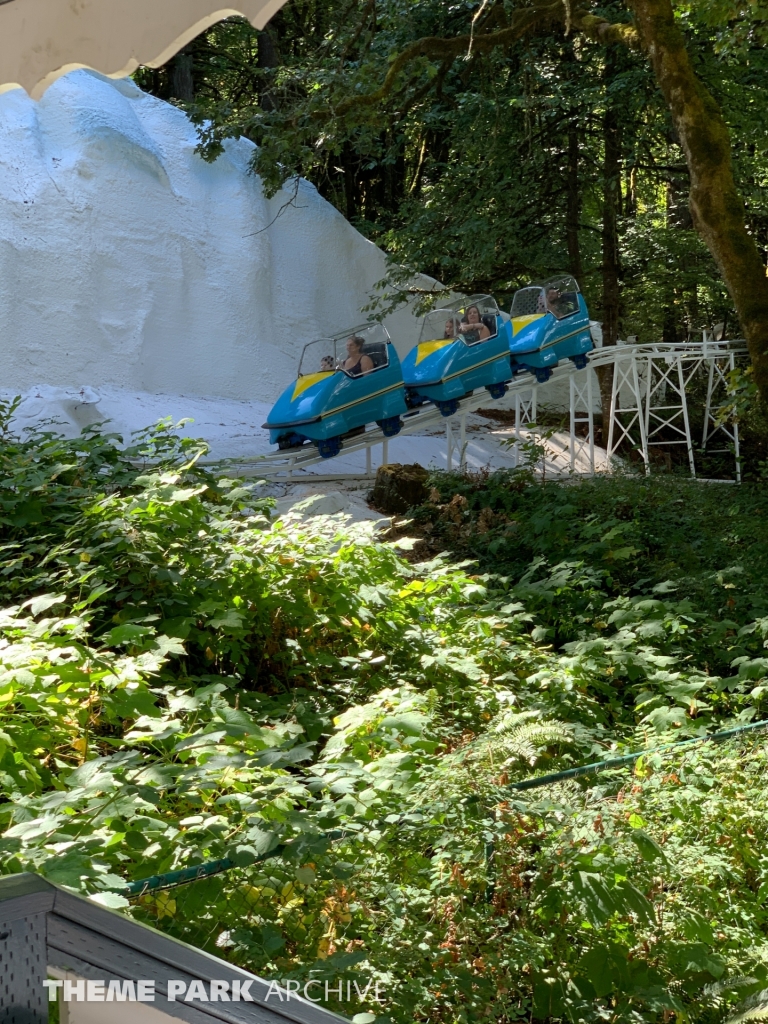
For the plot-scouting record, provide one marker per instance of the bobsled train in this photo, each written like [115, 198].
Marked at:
[549, 322]
[352, 379]
[344, 382]
[461, 347]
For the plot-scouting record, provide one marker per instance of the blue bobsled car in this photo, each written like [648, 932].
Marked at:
[549, 322]
[461, 347]
[344, 382]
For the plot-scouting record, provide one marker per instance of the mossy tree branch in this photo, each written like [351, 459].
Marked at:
[608, 33]
[522, 23]
[716, 205]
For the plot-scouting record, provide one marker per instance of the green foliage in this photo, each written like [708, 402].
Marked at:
[488, 169]
[740, 24]
[182, 678]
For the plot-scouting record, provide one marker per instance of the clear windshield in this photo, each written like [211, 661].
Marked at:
[318, 357]
[558, 295]
[355, 352]
[440, 323]
[561, 295]
[470, 320]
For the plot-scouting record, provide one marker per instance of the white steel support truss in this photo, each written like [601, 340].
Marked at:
[654, 382]
[626, 383]
[668, 375]
[452, 443]
[582, 414]
[719, 366]
[526, 411]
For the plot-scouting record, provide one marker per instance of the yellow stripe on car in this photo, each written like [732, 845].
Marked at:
[359, 401]
[562, 337]
[519, 322]
[307, 381]
[426, 348]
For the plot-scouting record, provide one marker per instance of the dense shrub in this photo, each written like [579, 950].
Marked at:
[183, 678]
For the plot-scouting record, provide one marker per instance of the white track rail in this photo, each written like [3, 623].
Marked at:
[641, 378]
[415, 421]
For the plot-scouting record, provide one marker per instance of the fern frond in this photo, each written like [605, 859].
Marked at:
[715, 989]
[511, 738]
[753, 1008]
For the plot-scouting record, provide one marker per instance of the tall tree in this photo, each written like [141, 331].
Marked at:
[474, 154]
[716, 205]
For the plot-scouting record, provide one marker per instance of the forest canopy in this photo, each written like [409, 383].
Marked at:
[488, 144]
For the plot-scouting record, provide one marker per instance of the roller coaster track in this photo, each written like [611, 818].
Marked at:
[644, 378]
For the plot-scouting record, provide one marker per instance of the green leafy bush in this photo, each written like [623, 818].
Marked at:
[184, 678]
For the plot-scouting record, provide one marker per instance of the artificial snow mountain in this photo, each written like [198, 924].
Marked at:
[127, 262]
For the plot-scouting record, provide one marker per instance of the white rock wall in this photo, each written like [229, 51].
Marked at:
[126, 260]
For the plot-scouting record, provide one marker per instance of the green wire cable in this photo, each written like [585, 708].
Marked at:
[215, 867]
[620, 762]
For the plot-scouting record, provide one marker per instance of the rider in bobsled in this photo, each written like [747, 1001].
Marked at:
[344, 382]
[549, 322]
[461, 347]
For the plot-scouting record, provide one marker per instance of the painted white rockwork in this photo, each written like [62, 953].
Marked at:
[127, 260]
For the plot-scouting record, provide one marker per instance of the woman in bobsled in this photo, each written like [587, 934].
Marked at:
[344, 383]
[357, 362]
[549, 322]
[461, 347]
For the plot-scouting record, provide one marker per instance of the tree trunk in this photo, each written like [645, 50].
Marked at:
[716, 206]
[572, 184]
[611, 209]
[678, 219]
[350, 183]
[182, 82]
[630, 198]
[266, 59]
[573, 205]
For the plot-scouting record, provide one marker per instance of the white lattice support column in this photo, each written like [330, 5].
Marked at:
[448, 445]
[626, 376]
[666, 401]
[737, 450]
[683, 381]
[463, 442]
[712, 384]
[525, 413]
[720, 364]
[582, 412]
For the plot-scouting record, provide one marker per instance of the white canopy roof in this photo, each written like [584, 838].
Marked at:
[42, 39]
